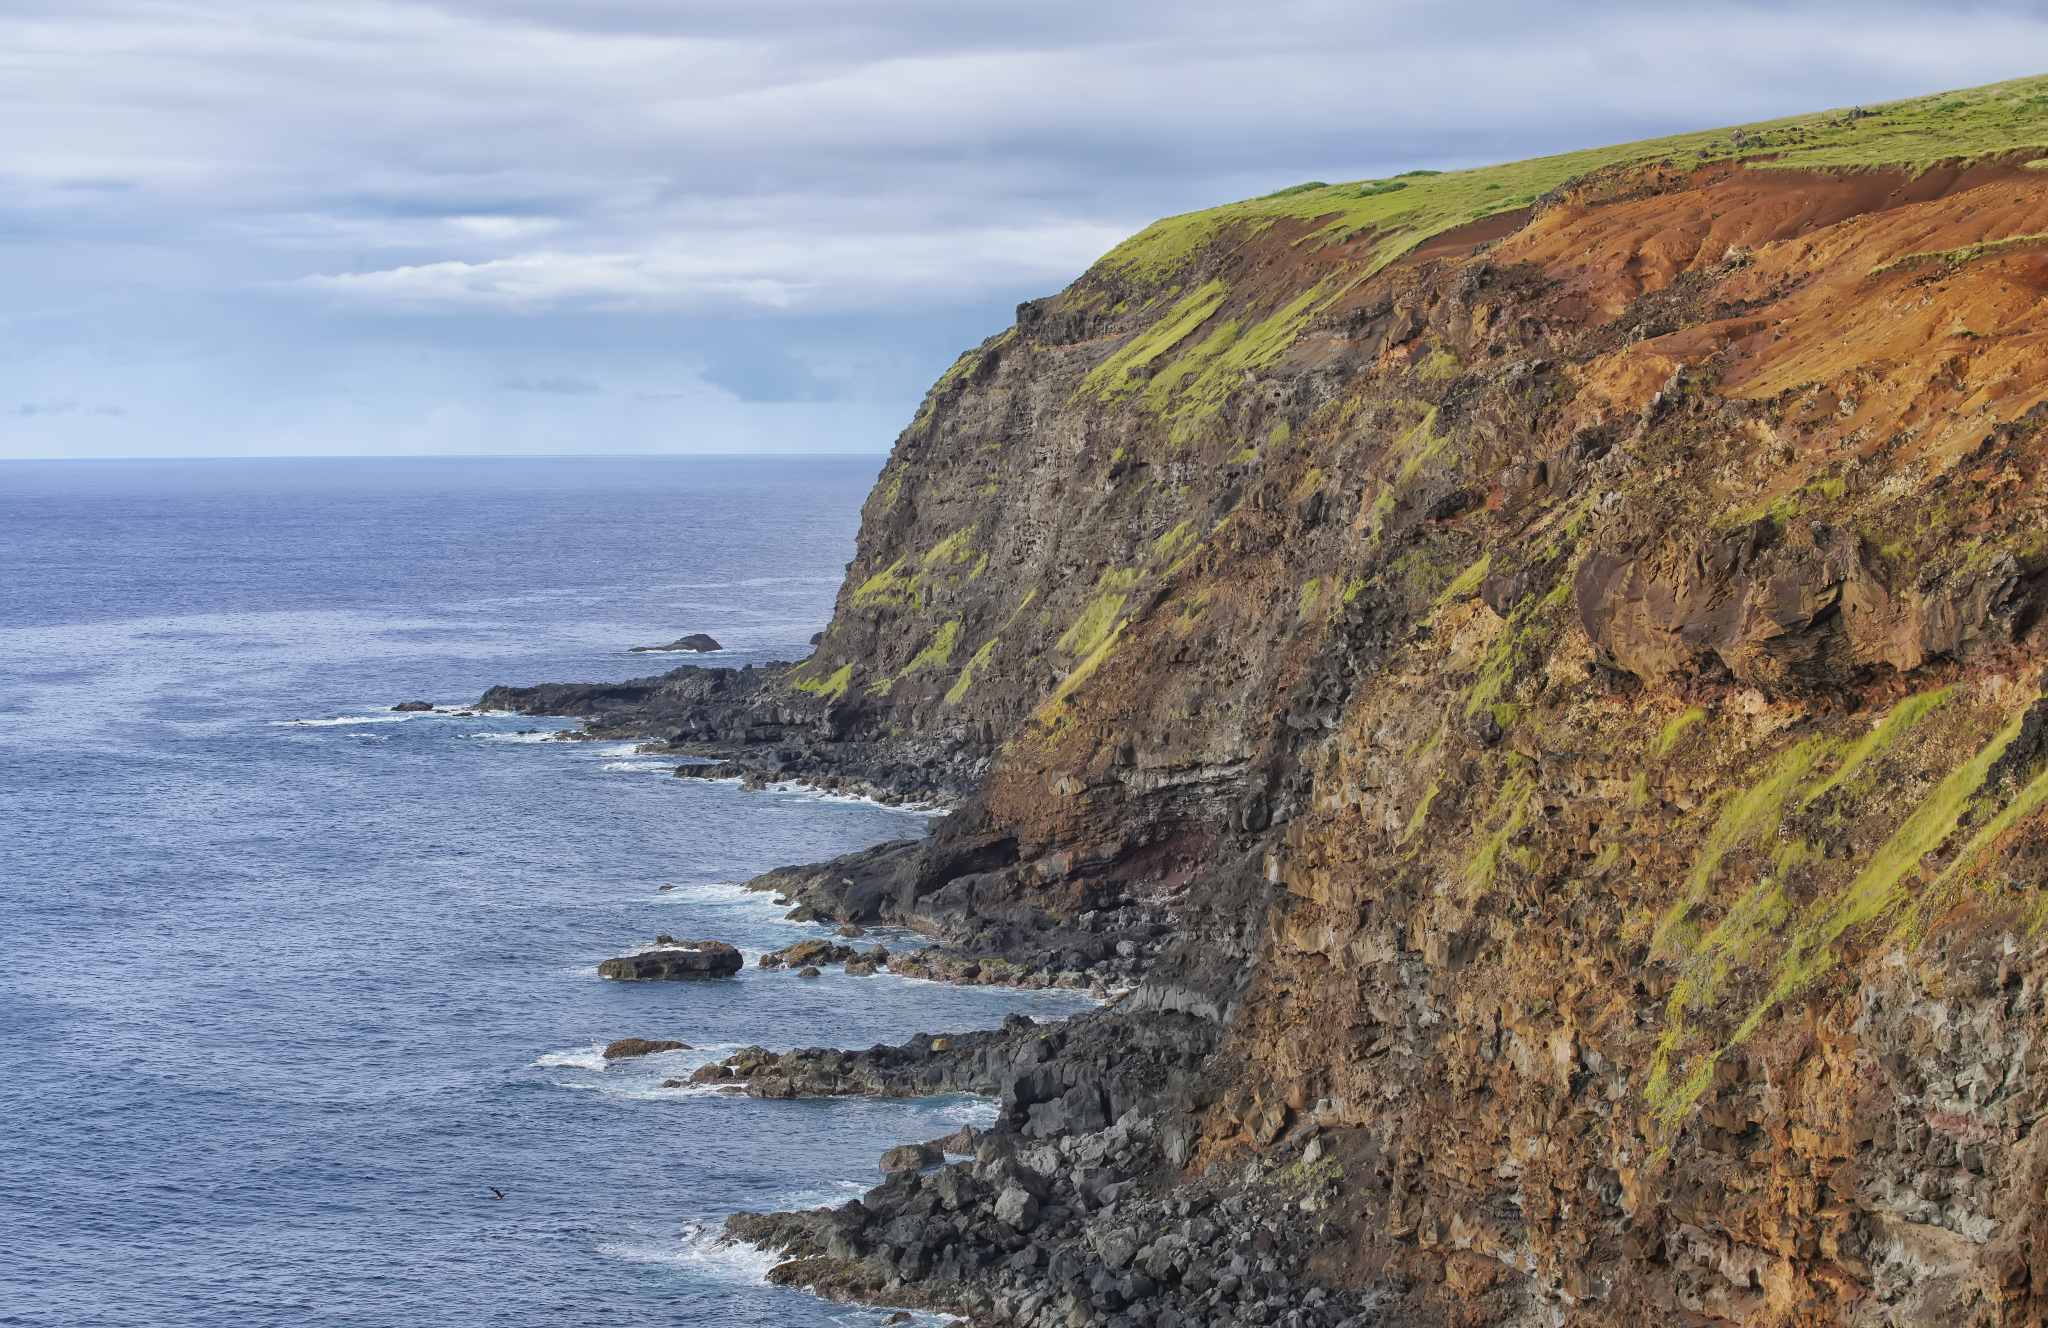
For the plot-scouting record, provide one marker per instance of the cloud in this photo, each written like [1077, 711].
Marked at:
[563, 386]
[755, 271]
[273, 191]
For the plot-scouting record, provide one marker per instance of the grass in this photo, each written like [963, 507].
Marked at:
[832, 688]
[1791, 947]
[1966, 254]
[1914, 134]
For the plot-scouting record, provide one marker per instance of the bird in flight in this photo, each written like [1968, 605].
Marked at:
[495, 1190]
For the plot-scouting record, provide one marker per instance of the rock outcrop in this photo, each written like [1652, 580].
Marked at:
[690, 959]
[1540, 688]
[699, 642]
[627, 1048]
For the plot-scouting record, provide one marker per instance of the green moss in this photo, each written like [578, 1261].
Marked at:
[975, 664]
[1176, 541]
[952, 549]
[1886, 732]
[1099, 616]
[1190, 392]
[1512, 807]
[1497, 666]
[1420, 444]
[938, 651]
[1467, 581]
[1795, 947]
[1420, 815]
[1749, 814]
[1309, 592]
[1958, 257]
[1112, 379]
[832, 688]
[1668, 736]
[889, 588]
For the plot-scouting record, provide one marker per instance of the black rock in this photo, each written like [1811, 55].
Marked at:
[693, 959]
[697, 641]
[411, 706]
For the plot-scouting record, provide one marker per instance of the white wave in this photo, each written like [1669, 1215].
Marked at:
[515, 737]
[583, 1058]
[344, 719]
[703, 1249]
[638, 767]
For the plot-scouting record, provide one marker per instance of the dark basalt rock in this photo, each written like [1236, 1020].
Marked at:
[692, 959]
[629, 1047]
[414, 706]
[697, 641]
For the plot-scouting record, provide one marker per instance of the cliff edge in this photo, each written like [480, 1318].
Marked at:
[1536, 675]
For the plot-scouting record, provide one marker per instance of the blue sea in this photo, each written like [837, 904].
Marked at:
[291, 980]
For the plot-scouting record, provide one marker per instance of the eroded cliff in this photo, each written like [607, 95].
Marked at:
[1539, 672]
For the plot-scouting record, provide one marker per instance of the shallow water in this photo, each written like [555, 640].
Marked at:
[283, 999]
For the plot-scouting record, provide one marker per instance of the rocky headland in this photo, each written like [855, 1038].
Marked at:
[1533, 679]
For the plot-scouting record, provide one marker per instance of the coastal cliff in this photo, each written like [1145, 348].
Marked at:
[1533, 677]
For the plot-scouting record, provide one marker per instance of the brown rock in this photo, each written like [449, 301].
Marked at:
[628, 1047]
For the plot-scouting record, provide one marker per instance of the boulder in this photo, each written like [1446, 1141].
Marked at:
[710, 1074]
[711, 770]
[811, 972]
[699, 642]
[1016, 1209]
[626, 1047]
[912, 1157]
[414, 706]
[690, 959]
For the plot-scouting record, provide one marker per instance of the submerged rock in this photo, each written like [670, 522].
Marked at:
[691, 959]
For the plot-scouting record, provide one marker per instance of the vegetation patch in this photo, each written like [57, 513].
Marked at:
[975, 664]
[832, 688]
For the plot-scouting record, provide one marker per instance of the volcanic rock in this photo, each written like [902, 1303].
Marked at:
[697, 641]
[691, 959]
[627, 1047]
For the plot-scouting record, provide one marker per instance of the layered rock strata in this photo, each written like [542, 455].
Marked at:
[1553, 701]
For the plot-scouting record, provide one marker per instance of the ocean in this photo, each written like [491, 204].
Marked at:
[292, 980]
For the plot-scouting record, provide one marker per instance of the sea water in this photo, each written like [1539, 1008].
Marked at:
[291, 981]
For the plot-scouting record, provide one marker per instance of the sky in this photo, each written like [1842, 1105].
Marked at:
[388, 227]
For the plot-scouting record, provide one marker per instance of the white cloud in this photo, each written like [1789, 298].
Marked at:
[764, 272]
[266, 188]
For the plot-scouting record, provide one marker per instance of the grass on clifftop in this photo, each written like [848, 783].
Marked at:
[1404, 211]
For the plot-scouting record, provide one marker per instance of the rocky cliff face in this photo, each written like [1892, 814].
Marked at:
[1552, 687]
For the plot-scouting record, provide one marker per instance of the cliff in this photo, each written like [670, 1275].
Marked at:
[1536, 673]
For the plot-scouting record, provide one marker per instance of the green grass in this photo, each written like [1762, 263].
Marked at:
[1957, 257]
[1913, 134]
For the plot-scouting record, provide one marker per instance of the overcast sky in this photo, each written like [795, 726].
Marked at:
[259, 227]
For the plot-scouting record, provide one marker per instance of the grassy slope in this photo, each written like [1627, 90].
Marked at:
[1915, 134]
